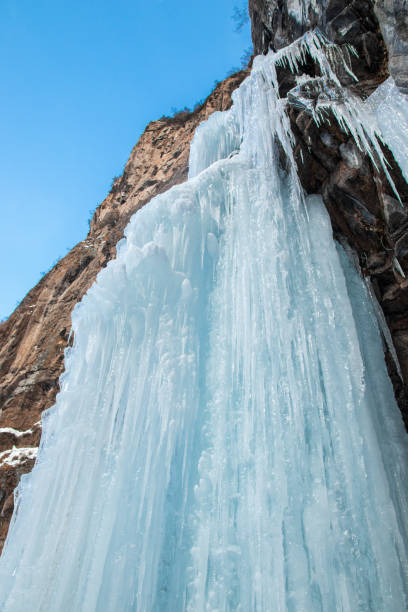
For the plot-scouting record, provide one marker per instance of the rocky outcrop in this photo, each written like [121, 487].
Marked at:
[393, 18]
[33, 339]
[362, 205]
[277, 23]
[371, 26]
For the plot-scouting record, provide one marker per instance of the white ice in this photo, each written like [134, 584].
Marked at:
[390, 108]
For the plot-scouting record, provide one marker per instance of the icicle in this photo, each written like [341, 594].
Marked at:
[382, 324]
[352, 116]
[397, 266]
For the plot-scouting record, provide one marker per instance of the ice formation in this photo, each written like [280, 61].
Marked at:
[226, 437]
[390, 108]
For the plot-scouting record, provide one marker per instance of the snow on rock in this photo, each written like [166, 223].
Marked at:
[17, 456]
[17, 433]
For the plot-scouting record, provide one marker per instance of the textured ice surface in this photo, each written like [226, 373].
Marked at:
[390, 107]
[226, 436]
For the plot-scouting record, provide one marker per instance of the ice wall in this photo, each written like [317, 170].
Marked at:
[226, 436]
[390, 109]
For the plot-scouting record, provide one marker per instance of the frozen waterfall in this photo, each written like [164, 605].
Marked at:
[226, 436]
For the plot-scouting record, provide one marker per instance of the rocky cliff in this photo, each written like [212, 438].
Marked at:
[362, 206]
[33, 339]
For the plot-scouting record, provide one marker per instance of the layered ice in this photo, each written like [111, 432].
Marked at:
[226, 436]
[389, 105]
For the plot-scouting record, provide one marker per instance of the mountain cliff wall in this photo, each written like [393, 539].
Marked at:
[33, 339]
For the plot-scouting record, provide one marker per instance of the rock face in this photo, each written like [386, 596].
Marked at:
[393, 18]
[362, 206]
[276, 23]
[33, 339]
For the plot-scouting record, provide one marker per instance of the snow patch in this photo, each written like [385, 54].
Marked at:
[17, 456]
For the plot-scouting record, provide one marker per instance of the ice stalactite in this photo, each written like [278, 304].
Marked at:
[226, 436]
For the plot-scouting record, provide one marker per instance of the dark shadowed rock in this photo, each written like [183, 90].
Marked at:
[276, 23]
[393, 19]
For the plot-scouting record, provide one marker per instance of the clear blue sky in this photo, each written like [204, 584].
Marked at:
[80, 79]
